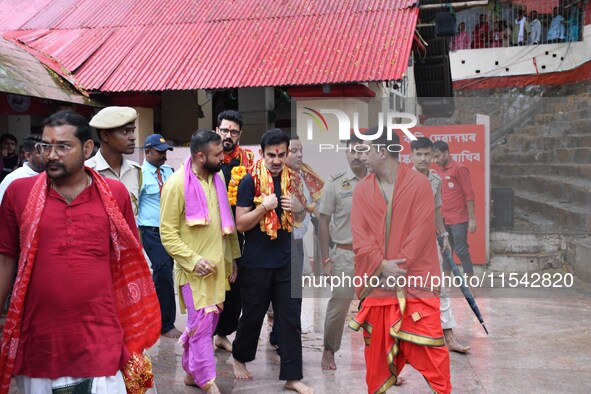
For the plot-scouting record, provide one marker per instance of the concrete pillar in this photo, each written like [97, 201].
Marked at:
[144, 125]
[179, 115]
[254, 105]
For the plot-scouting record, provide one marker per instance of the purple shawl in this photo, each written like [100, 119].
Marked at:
[197, 212]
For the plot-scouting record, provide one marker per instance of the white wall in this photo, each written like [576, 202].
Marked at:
[494, 62]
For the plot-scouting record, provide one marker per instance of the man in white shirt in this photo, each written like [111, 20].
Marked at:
[536, 29]
[521, 29]
[556, 30]
[33, 165]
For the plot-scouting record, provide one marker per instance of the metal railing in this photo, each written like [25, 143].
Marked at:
[521, 22]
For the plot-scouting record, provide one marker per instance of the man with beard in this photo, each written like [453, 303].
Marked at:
[335, 208]
[155, 173]
[73, 322]
[33, 164]
[115, 127]
[265, 213]
[197, 230]
[230, 129]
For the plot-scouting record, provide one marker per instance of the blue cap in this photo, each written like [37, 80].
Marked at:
[157, 142]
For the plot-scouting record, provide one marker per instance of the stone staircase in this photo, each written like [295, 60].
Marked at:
[547, 163]
[526, 252]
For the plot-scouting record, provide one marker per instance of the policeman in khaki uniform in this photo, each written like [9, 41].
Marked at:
[336, 205]
[115, 127]
[421, 154]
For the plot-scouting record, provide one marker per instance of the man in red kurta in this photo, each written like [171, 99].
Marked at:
[394, 237]
[457, 210]
[480, 33]
[84, 305]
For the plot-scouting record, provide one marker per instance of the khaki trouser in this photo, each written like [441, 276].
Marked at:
[340, 300]
[447, 317]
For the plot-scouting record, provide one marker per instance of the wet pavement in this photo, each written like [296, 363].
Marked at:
[540, 341]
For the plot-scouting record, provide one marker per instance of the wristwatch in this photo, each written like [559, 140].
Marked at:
[326, 260]
[444, 234]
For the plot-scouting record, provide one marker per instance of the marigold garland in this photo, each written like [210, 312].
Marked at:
[236, 176]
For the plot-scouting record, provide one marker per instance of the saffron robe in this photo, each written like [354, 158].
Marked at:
[400, 325]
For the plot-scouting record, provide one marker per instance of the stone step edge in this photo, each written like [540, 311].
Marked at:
[532, 196]
[576, 182]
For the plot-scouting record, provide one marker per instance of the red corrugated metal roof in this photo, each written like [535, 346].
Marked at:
[22, 74]
[153, 45]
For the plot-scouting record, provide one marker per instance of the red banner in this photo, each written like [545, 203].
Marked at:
[467, 145]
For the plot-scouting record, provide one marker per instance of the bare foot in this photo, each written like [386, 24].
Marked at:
[328, 360]
[240, 371]
[213, 389]
[222, 342]
[452, 344]
[400, 381]
[189, 381]
[299, 386]
[173, 334]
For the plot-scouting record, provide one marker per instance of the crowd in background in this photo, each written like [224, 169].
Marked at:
[522, 28]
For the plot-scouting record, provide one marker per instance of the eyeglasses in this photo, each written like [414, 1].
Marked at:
[45, 149]
[233, 133]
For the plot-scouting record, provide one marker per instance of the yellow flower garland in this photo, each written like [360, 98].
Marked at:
[236, 176]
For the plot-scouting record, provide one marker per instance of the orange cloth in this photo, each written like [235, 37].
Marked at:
[263, 183]
[245, 156]
[314, 184]
[386, 355]
[400, 326]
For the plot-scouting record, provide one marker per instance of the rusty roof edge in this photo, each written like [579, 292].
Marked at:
[51, 64]
[59, 77]
[59, 80]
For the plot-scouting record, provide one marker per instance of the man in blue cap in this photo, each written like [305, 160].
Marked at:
[154, 174]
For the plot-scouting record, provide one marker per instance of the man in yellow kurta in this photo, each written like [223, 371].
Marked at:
[197, 229]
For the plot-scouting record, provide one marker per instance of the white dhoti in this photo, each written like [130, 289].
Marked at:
[447, 317]
[99, 385]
